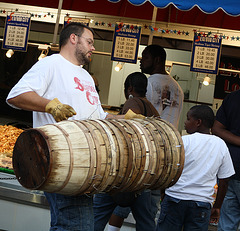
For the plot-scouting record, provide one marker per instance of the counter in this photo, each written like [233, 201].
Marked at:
[22, 209]
[28, 210]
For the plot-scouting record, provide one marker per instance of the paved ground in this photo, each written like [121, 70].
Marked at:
[212, 228]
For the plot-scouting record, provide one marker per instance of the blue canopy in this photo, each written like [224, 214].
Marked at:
[231, 7]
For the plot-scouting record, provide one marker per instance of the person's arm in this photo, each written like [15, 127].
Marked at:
[221, 192]
[29, 101]
[221, 131]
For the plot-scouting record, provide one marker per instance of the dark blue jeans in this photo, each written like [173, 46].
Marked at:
[70, 213]
[230, 211]
[141, 210]
[183, 215]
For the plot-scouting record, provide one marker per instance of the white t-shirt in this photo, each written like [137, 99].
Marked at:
[206, 158]
[166, 95]
[56, 77]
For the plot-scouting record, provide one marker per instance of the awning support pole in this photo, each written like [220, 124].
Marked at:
[154, 16]
[57, 22]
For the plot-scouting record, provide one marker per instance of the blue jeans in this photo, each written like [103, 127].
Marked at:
[230, 211]
[189, 215]
[70, 213]
[141, 209]
[124, 211]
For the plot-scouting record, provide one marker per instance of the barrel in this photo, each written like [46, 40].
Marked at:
[77, 157]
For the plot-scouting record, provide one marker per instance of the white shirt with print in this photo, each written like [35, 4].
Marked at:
[166, 95]
[56, 77]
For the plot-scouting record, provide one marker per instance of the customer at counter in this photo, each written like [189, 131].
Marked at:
[57, 88]
[135, 87]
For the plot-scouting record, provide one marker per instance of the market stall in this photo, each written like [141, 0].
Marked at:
[170, 26]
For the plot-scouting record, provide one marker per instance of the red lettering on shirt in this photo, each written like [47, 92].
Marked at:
[93, 100]
[79, 85]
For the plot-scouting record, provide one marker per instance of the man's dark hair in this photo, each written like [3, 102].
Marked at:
[138, 81]
[203, 112]
[157, 51]
[72, 28]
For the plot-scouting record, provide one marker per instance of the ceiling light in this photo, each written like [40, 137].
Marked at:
[206, 81]
[44, 53]
[9, 53]
[118, 67]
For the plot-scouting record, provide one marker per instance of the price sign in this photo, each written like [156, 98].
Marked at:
[205, 54]
[16, 31]
[126, 43]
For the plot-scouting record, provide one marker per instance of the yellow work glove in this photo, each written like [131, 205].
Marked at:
[131, 115]
[59, 111]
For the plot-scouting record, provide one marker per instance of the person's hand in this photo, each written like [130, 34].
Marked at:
[59, 111]
[215, 215]
[131, 115]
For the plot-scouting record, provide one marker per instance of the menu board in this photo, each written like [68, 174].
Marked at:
[16, 31]
[205, 54]
[126, 43]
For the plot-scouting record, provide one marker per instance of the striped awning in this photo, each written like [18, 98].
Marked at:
[230, 7]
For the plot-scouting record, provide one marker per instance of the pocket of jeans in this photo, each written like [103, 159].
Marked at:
[205, 205]
[203, 212]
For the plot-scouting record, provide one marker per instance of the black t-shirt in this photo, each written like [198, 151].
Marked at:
[229, 115]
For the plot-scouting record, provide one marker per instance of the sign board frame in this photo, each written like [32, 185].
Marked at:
[126, 42]
[206, 53]
[16, 31]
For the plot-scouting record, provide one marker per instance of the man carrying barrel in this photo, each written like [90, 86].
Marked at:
[57, 88]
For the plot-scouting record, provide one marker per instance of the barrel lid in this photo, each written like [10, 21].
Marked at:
[31, 159]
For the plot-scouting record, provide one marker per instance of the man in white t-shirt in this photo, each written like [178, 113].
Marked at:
[57, 88]
[163, 91]
[187, 205]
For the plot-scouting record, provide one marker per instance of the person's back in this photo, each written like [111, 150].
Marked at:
[204, 155]
[135, 87]
[163, 91]
[188, 203]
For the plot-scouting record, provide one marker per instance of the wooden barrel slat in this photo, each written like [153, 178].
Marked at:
[93, 159]
[178, 161]
[146, 174]
[159, 145]
[102, 156]
[167, 157]
[111, 164]
[139, 148]
[130, 156]
[121, 157]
